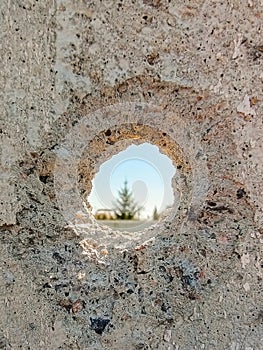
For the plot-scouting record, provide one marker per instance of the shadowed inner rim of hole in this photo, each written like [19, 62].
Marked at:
[112, 141]
[103, 146]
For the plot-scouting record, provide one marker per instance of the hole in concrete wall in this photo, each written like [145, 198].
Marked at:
[133, 189]
[104, 133]
[102, 147]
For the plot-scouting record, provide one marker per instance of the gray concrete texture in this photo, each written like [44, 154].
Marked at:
[82, 80]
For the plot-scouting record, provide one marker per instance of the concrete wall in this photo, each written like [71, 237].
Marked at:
[80, 81]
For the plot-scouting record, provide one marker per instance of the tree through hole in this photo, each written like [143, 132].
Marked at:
[133, 189]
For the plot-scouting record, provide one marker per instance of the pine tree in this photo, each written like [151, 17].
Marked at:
[125, 207]
[156, 216]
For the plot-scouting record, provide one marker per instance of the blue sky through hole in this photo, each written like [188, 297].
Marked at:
[148, 173]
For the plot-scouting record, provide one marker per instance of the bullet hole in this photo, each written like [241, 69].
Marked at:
[133, 189]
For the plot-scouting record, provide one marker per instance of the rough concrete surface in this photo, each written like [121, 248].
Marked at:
[80, 81]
